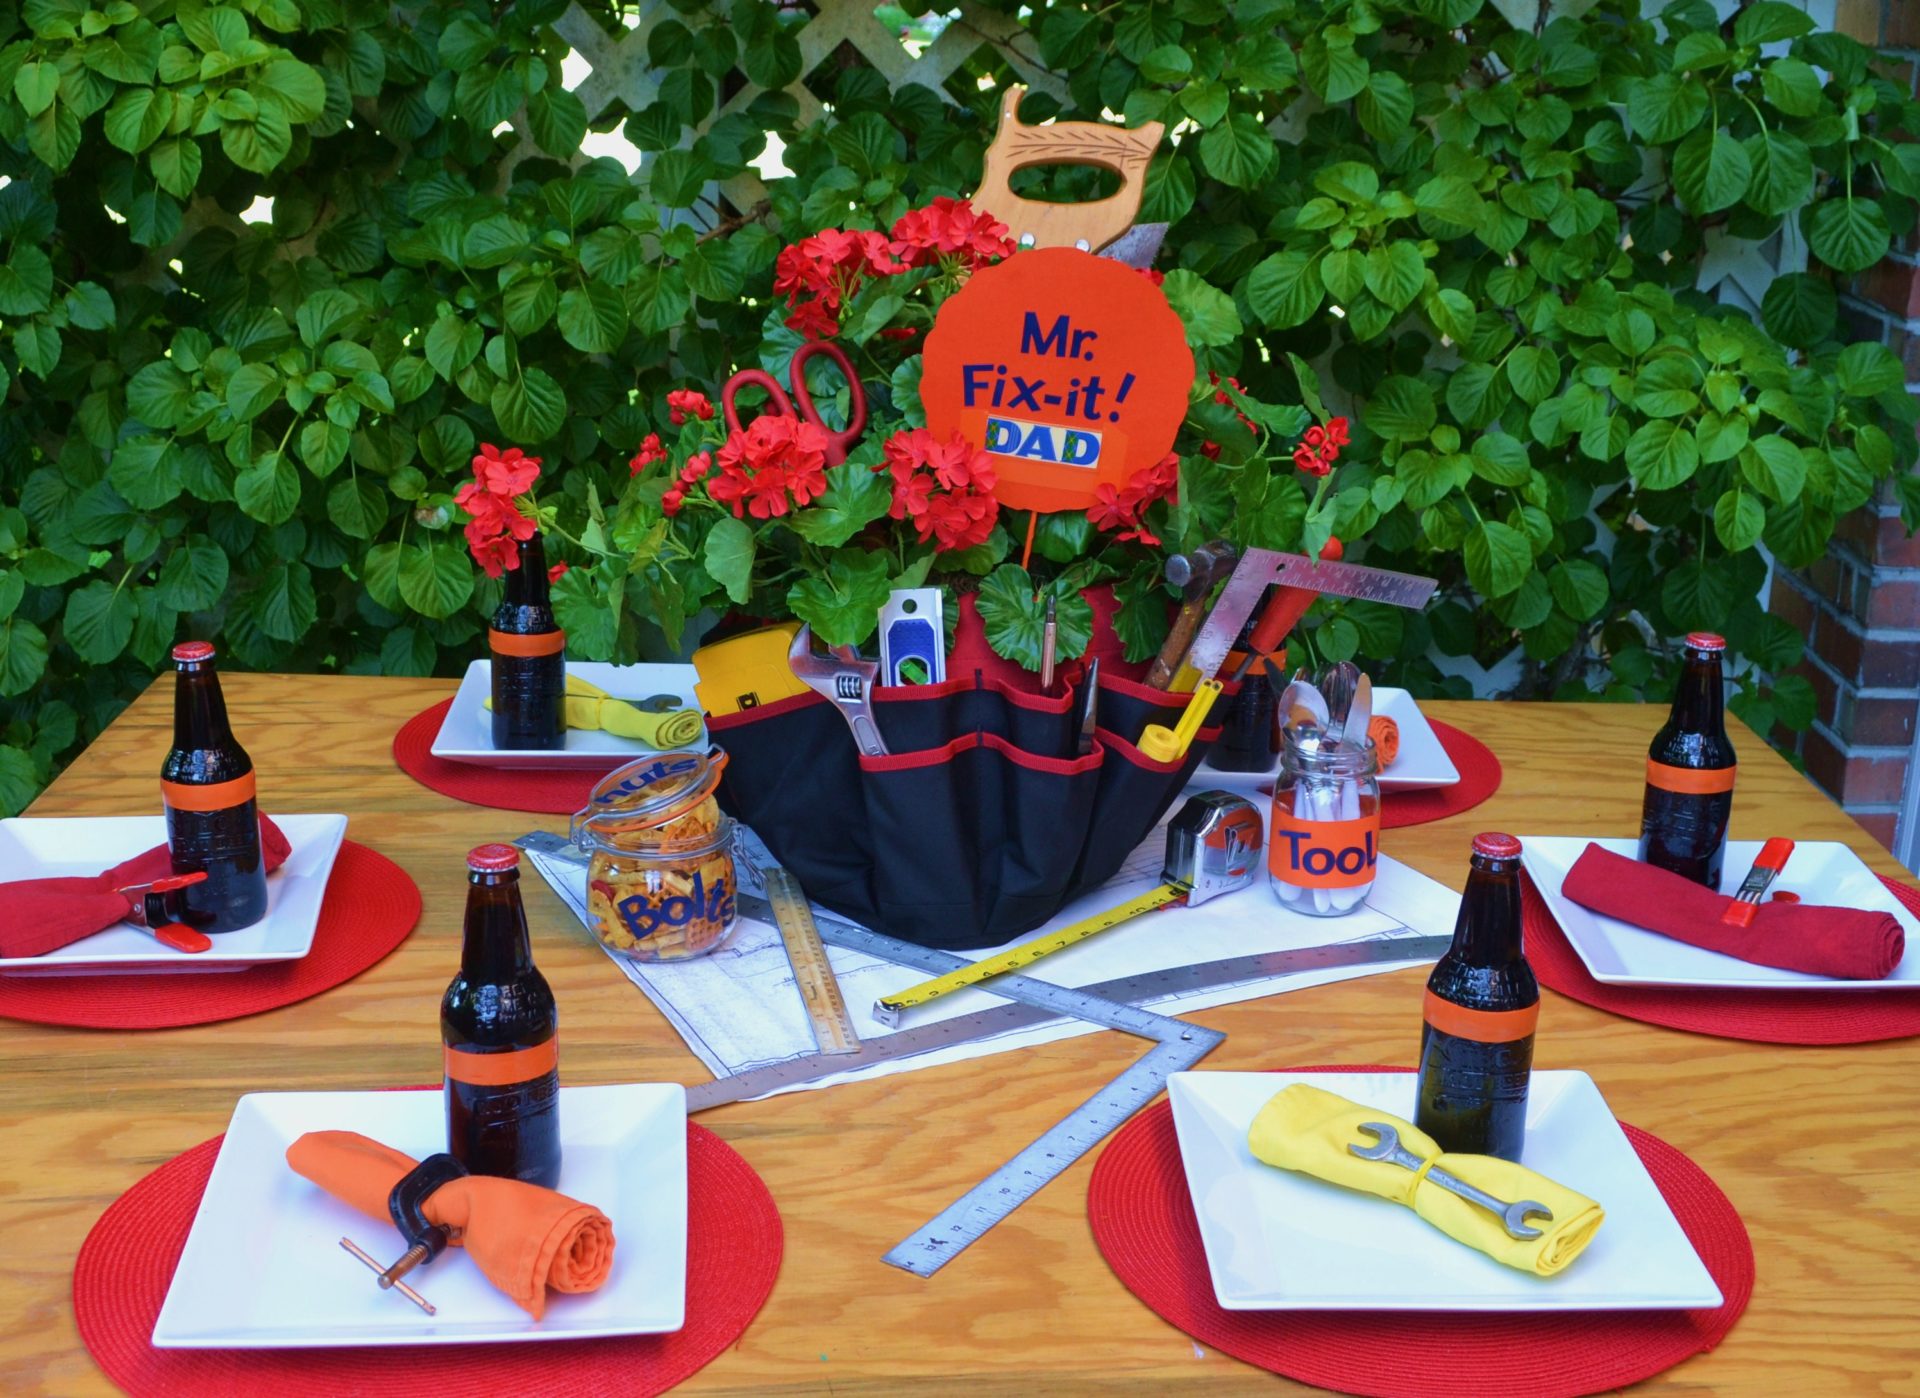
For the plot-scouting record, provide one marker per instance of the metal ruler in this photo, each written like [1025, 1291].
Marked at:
[819, 988]
[889, 1009]
[1260, 568]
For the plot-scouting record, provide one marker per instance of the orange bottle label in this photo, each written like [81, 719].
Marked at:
[1481, 1026]
[1323, 853]
[510, 643]
[1689, 781]
[221, 796]
[478, 1069]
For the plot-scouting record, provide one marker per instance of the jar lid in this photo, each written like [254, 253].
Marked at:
[647, 793]
[188, 651]
[1495, 845]
[1705, 640]
[493, 859]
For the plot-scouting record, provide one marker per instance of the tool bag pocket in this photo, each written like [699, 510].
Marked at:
[980, 823]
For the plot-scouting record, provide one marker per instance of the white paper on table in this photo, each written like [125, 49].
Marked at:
[739, 1008]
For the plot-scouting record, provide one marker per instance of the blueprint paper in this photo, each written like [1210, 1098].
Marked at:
[739, 1008]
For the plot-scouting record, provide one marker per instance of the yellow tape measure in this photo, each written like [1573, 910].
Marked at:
[819, 988]
[888, 1009]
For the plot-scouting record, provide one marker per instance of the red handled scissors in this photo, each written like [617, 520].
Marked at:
[838, 443]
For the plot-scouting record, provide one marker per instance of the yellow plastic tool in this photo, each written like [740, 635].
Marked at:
[1164, 744]
[591, 707]
[744, 672]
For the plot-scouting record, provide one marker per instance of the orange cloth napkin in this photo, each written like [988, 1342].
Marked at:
[525, 1238]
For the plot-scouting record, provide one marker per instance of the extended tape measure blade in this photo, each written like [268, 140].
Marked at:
[819, 988]
[889, 1009]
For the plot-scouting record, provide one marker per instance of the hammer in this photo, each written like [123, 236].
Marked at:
[1194, 574]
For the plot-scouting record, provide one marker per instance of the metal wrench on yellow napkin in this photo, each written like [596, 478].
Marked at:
[1310, 1130]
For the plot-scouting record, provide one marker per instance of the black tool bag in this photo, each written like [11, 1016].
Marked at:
[980, 824]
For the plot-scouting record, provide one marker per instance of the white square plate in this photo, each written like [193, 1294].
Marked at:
[466, 733]
[263, 1267]
[1277, 1240]
[1421, 762]
[36, 848]
[1618, 953]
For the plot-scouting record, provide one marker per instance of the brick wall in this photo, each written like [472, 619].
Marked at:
[1859, 607]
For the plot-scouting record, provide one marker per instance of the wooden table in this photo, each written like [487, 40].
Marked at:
[1815, 1146]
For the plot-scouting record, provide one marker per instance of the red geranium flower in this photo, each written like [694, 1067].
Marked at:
[944, 487]
[1321, 447]
[683, 403]
[650, 452]
[507, 473]
[557, 571]
[773, 461]
[950, 228]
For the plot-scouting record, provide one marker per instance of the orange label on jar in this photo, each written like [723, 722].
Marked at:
[510, 643]
[1481, 1026]
[221, 796]
[1323, 853]
[1690, 781]
[478, 1069]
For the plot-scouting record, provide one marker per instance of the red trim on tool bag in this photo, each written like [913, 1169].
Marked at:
[1020, 757]
[946, 689]
[1115, 743]
[779, 706]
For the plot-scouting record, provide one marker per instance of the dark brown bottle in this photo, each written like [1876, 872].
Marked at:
[1476, 1046]
[207, 786]
[1249, 721]
[501, 1032]
[1690, 772]
[529, 658]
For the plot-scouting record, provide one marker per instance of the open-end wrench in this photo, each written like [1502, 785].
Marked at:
[1387, 1147]
[842, 676]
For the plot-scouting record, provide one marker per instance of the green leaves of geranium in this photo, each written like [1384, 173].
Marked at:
[1014, 612]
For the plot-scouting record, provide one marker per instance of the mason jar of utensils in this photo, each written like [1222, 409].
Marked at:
[1323, 841]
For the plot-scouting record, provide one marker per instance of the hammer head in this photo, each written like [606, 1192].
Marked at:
[1194, 573]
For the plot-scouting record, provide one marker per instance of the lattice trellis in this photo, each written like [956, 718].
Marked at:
[621, 73]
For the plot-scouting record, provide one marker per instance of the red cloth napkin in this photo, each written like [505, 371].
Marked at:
[1844, 943]
[44, 915]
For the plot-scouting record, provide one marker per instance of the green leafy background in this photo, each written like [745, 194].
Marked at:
[1485, 240]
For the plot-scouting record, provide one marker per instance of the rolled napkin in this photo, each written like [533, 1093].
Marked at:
[44, 915]
[1843, 943]
[1307, 1129]
[526, 1239]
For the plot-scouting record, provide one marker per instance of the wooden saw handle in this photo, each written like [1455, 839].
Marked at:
[1016, 146]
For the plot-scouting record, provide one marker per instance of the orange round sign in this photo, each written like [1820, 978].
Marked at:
[1071, 371]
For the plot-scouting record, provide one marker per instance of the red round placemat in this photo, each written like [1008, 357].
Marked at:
[1765, 1016]
[1142, 1218]
[1479, 778]
[370, 907]
[734, 1244]
[550, 791]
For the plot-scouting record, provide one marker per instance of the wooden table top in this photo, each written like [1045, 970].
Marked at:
[1807, 1142]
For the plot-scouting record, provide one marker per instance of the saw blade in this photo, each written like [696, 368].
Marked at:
[1138, 246]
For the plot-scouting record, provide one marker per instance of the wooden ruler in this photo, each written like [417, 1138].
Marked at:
[826, 1008]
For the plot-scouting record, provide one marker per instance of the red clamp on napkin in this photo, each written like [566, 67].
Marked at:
[525, 1238]
[44, 915]
[1843, 943]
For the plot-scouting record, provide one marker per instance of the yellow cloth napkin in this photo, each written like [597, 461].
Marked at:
[1306, 1129]
[591, 707]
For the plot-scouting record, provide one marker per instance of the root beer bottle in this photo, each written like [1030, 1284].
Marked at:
[501, 1033]
[529, 658]
[1476, 1049]
[207, 786]
[1690, 771]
